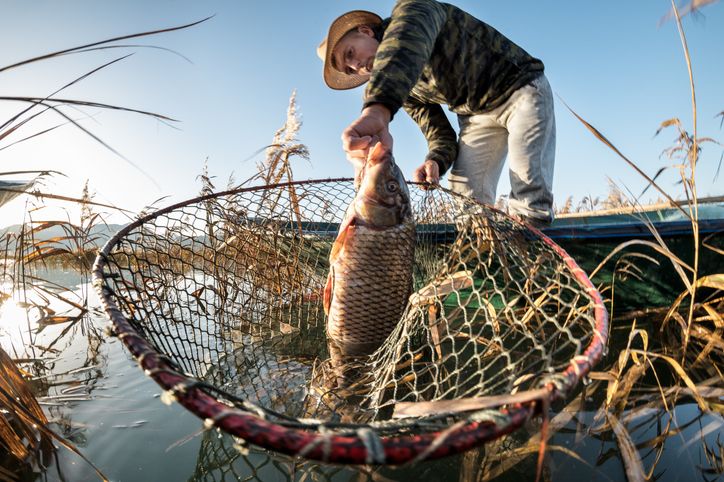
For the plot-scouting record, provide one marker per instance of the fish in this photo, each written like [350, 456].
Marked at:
[371, 262]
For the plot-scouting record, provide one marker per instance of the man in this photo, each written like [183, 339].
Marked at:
[428, 54]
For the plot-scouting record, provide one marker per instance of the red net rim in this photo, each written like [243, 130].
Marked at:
[351, 447]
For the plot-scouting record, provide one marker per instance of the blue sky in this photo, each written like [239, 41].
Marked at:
[610, 61]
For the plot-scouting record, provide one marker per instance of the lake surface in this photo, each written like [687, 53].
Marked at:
[95, 395]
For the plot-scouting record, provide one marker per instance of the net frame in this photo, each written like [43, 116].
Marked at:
[347, 443]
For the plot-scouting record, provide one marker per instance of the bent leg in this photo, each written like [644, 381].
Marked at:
[532, 144]
[483, 146]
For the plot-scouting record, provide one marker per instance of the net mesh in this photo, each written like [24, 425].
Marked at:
[220, 299]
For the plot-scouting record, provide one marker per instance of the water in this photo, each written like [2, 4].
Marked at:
[116, 419]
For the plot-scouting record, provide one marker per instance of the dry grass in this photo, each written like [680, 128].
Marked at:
[270, 261]
[23, 427]
[670, 355]
[19, 433]
[642, 377]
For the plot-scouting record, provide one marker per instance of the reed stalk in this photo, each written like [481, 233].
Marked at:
[24, 431]
[671, 353]
[690, 183]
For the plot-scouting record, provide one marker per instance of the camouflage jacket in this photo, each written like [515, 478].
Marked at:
[433, 53]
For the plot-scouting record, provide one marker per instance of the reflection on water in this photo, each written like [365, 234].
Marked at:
[221, 457]
[96, 396]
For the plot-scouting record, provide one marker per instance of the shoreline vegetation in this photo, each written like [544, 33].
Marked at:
[657, 358]
[26, 436]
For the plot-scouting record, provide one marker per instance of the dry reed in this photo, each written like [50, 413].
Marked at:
[671, 354]
[23, 426]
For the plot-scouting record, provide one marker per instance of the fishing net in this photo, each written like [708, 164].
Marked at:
[220, 300]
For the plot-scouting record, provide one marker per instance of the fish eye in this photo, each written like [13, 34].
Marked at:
[393, 186]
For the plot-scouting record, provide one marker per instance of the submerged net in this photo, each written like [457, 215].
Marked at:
[220, 300]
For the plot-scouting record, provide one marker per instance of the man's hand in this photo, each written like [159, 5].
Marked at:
[371, 125]
[427, 172]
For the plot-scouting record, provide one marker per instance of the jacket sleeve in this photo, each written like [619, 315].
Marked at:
[442, 142]
[405, 48]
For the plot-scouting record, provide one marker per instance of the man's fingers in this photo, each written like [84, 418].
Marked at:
[427, 172]
[418, 175]
[357, 157]
[432, 172]
[386, 139]
[352, 142]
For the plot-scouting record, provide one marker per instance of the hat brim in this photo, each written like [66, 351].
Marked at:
[344, 23]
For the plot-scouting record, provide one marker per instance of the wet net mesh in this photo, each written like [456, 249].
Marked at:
[220, 299]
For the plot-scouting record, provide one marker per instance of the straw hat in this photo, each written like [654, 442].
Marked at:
[332, 77]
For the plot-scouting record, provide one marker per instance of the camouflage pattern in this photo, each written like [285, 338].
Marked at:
[433, 53]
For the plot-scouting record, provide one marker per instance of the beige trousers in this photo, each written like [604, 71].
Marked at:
[524, 130]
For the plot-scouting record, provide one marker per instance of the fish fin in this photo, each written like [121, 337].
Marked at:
[328, 290]
[341, 238]
[377, 153]
[337, 248]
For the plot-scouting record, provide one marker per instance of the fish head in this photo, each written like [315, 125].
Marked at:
[382, 199]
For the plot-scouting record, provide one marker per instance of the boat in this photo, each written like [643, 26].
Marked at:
[637, 276]
[10, 189]
[614, 247]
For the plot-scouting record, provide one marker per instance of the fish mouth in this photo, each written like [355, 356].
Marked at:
[380, 213]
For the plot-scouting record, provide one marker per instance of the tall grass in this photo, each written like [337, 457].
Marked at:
[24, 432]
[269, 260]
[668, 355]
[675, 354]
[657, 358]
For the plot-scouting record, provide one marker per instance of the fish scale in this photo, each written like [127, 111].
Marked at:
[372, 283]
[370, 278]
